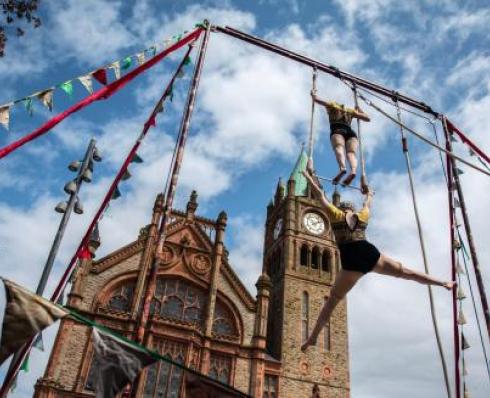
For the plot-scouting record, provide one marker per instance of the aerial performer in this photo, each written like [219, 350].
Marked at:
[357, 255]
[343, 139]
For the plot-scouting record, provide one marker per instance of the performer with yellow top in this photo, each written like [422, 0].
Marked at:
[357, 255]
[343, 139]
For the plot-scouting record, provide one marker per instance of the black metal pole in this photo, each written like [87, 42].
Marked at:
[19, 356]
[332, 70]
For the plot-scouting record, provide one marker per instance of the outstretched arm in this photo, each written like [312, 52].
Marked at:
[316, 188]
[358, 113]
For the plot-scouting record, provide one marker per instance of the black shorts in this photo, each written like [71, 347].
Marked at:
[343, 129]
[358, 255]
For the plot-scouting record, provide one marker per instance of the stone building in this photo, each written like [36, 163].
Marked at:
[201, 313]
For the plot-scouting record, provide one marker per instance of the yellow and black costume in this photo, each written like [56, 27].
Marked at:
[340, 119]
[356, 253]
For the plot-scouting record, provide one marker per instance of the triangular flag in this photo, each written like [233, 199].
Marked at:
[101, 76]
[459, 269]
[152, 51]
[181, 73]
[459, 171]
[46, 98]
[140, 57]
[116, 67]
[126, 63]
[466, 394]
[136, 159]
[126, 175]
[461, 318]
[25, 364]
[159, 107]
[170, 93]
[464, 343]
[39, 343]
[460, 295]
[456, 203]
[453, 138]
[456, 244]
[472, 152]
[167, 43]
[87, 83]
[28, 105]
[26, 314]
[84, 253]
[116, 194]
[118, 363]
[5, 116]
[187, 60]
[151, 121]
[67, 87]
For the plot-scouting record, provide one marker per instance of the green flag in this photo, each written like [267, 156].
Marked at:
[25, 364]
[116, 194]
[67, 87]
[136, 159]
[28, 105]
[126, 63]
[187, 60]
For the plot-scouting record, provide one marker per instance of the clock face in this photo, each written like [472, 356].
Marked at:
[277, 228]
[314, 223]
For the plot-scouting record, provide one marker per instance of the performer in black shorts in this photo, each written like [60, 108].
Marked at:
[343, 139]
[358, 256]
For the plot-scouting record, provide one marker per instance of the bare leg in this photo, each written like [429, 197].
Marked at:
[351, 149]
[338, 145]
[344, 282]
[388, 266]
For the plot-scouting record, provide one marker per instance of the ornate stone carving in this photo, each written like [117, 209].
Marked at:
[201, 263]
[304, 367]
[166, 257]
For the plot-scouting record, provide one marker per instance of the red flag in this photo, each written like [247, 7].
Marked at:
[84, 253]
[101, 76]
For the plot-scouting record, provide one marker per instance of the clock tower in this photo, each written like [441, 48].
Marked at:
[301, 259]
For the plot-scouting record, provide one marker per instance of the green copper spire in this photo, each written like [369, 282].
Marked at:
[300, 181]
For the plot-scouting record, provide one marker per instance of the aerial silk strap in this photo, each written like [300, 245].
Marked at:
[422, 247]
[312, 116]
[66, 275]
[364, 180]
[104, 93]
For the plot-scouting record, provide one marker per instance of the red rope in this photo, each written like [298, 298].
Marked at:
[104, 93]
[82, 246]
[467, 141]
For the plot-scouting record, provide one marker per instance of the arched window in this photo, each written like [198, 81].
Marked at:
[326, 335]
[304, 255]
[176, 299]
[326, 259]
[315, 258]
[223, 324]
[122, 298]
[305, 316]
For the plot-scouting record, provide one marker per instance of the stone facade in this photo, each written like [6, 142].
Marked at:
[203, 316]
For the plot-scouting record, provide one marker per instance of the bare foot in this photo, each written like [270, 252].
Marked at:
[450, 285]
[307, 343]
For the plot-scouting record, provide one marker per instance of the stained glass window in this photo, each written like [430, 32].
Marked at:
[270, 386]
[223, 324]
[220, 367]
[164, 380]
[122, 298]
[176, 299]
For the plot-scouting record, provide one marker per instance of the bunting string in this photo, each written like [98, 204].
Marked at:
[46, 96]
[132, 157]
[102, 94]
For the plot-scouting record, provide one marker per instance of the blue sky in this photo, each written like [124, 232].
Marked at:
[252, 114]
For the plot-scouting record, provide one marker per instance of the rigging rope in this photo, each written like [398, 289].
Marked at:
[364, 180]
[422, 247]
[421, 137]
[313, 91]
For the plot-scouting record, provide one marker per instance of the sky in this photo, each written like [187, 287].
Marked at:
[252, 115]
